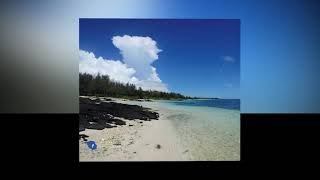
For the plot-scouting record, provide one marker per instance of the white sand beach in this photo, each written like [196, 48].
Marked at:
[135, 141]
[178, 135]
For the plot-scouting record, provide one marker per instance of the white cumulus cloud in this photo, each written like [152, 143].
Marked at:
[117, 70]
[228, 59]
[138, 55]
[138, 52]
[152, 85]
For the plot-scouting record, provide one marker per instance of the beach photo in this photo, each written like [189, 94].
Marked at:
[159, 90]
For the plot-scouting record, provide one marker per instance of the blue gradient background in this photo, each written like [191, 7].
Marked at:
[280, 43]
[279, 50]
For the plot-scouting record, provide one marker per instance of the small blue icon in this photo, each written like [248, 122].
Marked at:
[92, 145]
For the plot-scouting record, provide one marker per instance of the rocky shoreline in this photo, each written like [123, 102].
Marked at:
[123, 130]
[105, 113]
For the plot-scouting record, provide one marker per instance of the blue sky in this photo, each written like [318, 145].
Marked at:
[280, 41]
[198, 57]
[279, 49]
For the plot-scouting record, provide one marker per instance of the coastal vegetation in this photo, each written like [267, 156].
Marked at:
[102, 85]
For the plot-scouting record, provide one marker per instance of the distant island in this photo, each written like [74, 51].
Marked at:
[204, 98]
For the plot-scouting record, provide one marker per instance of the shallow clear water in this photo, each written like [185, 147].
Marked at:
[204, 132]
[233, 104]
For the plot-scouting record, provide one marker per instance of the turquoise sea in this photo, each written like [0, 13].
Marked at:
[206, 129]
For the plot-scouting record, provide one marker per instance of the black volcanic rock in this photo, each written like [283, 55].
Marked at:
[118, 121]
[95, 114]
[83, 136]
